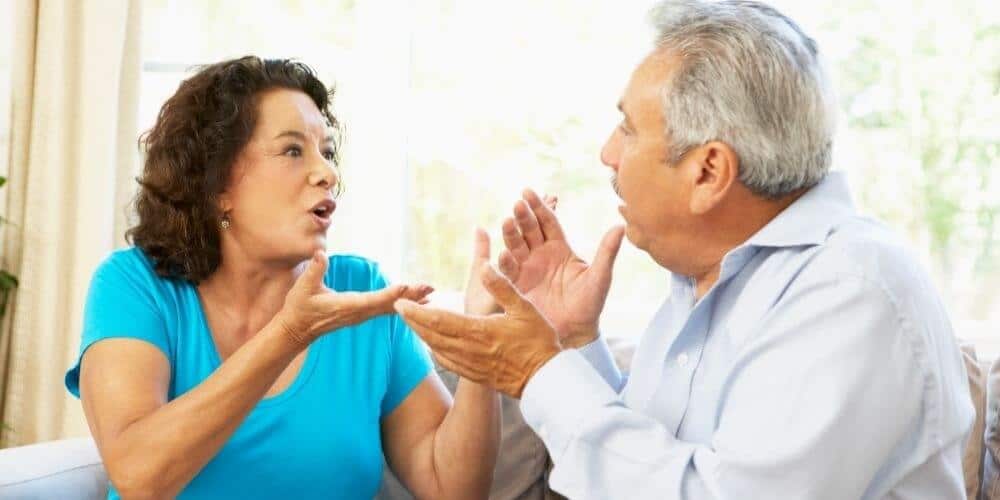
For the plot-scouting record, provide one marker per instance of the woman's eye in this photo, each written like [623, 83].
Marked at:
[329, 155]
[293, 151]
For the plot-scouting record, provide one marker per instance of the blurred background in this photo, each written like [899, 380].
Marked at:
[453, 107]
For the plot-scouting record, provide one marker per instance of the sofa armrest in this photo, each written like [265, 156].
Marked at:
[69, 468]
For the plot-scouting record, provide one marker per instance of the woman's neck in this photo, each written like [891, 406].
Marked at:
[246, 294]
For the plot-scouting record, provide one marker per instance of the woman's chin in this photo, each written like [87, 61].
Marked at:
[317, 243]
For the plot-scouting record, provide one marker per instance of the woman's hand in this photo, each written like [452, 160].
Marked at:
[311, 309]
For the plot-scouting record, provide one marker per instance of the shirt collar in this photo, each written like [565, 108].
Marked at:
[810, 219]
[806, 222]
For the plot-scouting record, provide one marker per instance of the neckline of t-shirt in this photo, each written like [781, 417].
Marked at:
[305, 371]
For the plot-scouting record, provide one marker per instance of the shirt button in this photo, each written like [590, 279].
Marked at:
[682, 360]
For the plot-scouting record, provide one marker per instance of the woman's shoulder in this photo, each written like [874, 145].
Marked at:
[129, 269]
[129, 258]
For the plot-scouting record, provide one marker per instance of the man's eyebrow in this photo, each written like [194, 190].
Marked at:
[621, 107]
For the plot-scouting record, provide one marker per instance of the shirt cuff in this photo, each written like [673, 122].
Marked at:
[598, 354]
[562, 392]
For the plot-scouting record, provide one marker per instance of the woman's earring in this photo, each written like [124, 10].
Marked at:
[225, 221]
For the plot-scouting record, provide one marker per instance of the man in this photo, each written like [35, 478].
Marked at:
[802, 352]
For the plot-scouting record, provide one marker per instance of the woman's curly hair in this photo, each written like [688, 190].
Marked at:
[191, 150]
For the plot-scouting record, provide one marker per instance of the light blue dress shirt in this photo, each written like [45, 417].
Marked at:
[821, 365]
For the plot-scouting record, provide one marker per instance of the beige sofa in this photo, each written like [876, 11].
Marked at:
[71, 469]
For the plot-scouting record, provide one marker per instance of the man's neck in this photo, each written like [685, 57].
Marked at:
[729, 227]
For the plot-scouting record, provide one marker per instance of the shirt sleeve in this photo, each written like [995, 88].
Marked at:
[598, 354]
[409, 362]
[831, 366]
[121, 303]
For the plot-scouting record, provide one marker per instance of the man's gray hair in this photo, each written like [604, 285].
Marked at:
[748, 77]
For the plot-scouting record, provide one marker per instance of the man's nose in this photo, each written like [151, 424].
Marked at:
[611, 152]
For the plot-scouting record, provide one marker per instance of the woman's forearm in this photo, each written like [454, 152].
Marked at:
[466, 442]
[160, 453]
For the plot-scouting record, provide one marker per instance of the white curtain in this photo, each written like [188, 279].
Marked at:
[73, 155]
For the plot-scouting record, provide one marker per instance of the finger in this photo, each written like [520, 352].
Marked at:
[509, 265]
[439, 321]
[480, 248]
[528, 225]
[502, 290]
[547, 220]
[379, 301]
[551, 201]
[415, 292]
[480, 252]
[460, 368]
[315, 270]
[513, 240]
[443, 344]
[604, 260]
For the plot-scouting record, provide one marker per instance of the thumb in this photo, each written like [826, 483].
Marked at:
[501, 289]
[480, 249]
[607, 252]
[312, 277]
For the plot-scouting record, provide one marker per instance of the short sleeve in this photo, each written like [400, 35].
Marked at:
[409, 360]
[123, 301]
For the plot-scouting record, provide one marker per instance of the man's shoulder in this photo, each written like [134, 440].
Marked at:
[865, 249]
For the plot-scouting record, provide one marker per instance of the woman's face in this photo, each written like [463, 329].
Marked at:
[279, 198]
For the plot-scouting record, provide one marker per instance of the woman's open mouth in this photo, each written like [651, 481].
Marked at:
[323, 211]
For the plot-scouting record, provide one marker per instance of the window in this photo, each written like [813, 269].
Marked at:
[920, 136]
[453, 107]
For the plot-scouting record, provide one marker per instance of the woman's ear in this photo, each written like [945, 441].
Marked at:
[223, 202]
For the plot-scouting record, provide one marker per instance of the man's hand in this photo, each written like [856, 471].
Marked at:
[566, 289]
[477, 299]
[501, 350]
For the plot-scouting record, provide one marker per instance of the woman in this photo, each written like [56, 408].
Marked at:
[224, 356]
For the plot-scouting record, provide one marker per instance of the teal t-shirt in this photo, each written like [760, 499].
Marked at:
[320, 437]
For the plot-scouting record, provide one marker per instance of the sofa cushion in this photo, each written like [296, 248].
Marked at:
[69, 468]
[972, 459]
[991, 438]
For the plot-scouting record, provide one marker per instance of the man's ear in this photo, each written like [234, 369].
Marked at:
[715, 169]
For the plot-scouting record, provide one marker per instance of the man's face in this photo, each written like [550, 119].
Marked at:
[655, 195]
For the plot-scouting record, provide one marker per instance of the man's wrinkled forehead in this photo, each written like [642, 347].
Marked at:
[645, 87]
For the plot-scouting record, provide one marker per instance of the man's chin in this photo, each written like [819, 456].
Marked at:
[635, 237]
